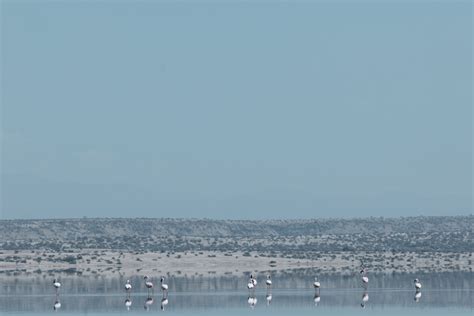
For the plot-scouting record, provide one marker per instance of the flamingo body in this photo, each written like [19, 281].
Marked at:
[164, 286]
[417, 284]
[56, 284]
[316, 283]
[128, 286]
[268, 282]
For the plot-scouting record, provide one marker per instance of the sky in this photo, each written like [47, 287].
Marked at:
[236, 109]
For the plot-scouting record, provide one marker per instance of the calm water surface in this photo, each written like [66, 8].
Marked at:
[442, 294]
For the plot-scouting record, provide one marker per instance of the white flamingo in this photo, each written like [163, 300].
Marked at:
[250, 285]
[148, 283]
[56, 285]
[417, 284]
[254, 280]
[316, 283]
[128, 286]
[164, 286]
[365, 278]
[268, 282]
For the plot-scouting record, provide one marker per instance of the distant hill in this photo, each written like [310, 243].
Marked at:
[119, 233]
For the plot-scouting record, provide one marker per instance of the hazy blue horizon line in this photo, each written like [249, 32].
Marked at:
[235, 220]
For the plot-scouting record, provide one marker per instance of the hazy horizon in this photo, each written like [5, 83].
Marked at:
[235, 110]
[240, 219]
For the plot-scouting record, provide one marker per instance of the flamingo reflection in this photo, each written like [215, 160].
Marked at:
[252, 301]
[269, 298]
[148, 303]
[57, 304]
[164, 302]
[128, 303]
[365, 299]
[317, 298]
[417, 296]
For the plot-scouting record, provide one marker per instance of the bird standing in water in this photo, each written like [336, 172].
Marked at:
[417, 284]
[148, 283]
[128, 287]
[268, 282]
[316, 283]
[56, 285]
[164, 287]
[365, 278]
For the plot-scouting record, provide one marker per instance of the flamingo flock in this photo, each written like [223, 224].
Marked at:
[251, 286]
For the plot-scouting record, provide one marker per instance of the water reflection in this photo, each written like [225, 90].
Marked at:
[365, 299]
[57, 304]
[87, 294]
[269, 295]
[148, 303]
[164, 302]
[269, 298]
[317, 298]
[417, 296]
[252, 301]
[128, 303]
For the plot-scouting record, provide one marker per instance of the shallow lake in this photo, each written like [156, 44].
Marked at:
[292, 292]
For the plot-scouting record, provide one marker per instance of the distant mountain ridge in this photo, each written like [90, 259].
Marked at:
[66, 228]
[422, 233]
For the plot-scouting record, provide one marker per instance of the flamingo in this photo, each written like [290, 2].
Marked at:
[250, 285]
[316, 283]
[417, 285]
[148, 283]
[164, 286]
[268, 282]
[365, 278]
[254, 281]
[128, 286]
[56, 285]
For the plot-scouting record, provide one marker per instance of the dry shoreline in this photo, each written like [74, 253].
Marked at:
[202, 263]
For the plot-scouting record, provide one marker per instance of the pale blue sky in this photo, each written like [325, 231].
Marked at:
[236, 110]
